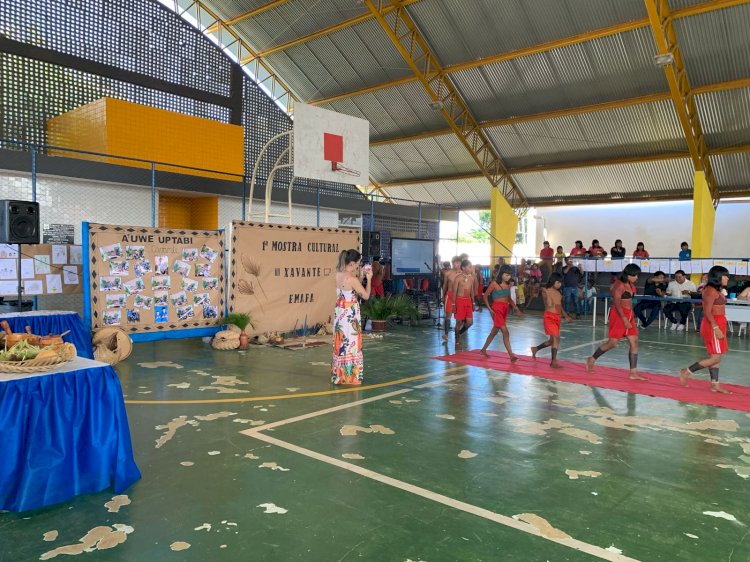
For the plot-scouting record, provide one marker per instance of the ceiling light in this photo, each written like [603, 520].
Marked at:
[436, 105]
[664, 60]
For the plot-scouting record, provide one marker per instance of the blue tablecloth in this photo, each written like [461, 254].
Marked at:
[63, 434]
[45, 323]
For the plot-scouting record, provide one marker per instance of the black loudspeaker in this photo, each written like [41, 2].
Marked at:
[19, 222]
[371, 243]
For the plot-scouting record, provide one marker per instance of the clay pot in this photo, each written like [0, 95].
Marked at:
[378, 325]
[244, 341]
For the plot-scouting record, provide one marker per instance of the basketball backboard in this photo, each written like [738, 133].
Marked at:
[331, 146]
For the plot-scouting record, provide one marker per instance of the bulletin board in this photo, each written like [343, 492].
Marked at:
[154, 280]
[285, 276]
[46, 269]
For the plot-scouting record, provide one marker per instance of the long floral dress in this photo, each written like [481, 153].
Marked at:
[347, 366]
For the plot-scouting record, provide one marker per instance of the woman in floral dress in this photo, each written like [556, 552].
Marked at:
[347, 366]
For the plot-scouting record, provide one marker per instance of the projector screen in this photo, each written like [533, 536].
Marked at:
[412, 257]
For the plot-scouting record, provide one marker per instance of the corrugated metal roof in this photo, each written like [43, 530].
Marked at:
[229, 9]
[638, 130]
[296, 18]
[350, 59]
[716, 45]
[430, 157]
[674, 177]
[461, 31]
[732, 171]
[471, 193]
[725, 117]
[606, 69]
[395, 112]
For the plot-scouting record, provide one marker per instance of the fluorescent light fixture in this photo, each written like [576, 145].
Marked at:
[664, 60]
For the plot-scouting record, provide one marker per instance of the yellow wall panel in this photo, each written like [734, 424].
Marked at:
[122, 128]
[174, 212]
[205, 213]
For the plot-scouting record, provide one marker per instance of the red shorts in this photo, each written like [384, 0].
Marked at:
[500, 308]
[448, 302]
[378, 290]
[617, 327]
[552, 323]
[480, 290]
[464, 309]
[714, 346]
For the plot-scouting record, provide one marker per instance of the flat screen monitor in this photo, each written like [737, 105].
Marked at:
[411, 257]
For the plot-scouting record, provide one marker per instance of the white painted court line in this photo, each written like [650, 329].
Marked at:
[595, 342]
[691, 345]
[575, 544]
[256, 433]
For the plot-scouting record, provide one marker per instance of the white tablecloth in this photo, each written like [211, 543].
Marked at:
[75, 365]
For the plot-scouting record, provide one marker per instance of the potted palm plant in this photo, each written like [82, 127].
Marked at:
[242, 321]
[393, 306]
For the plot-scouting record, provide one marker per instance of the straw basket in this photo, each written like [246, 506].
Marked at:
[226, 340]
[43, 362]
[111, 345]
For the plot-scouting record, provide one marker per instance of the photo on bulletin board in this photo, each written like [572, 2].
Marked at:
[144, 279]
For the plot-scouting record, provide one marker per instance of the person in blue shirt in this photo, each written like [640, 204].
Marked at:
[685, 252]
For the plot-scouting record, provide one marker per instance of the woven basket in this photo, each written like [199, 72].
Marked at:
[30, 366]
[226, 340]
[111, 345]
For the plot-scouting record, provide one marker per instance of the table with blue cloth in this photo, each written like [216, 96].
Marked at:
[64, 433]
[55, 322]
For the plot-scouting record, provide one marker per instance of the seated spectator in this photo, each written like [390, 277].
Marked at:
[571, 278]
[578, 249]
[685, 252]
[681, 287]
[596, 250]
[655, 287]
[531, 290]
[617, 250]
[535, 273]
[640, 251]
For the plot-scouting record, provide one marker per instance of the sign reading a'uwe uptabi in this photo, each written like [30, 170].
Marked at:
[285, 276]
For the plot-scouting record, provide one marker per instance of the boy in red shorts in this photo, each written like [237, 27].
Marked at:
[464, 287]
[553, 312]
[448, 279]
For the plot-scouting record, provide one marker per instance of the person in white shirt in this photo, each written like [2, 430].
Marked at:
[680, 287]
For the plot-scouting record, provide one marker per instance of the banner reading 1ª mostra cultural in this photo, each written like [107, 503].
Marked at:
[285, 276]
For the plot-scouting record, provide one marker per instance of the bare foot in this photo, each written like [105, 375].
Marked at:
[513, 358]
[590, 364]
[716, 388]
[555, 365]
[484, 352]
[533, 352]
[634, 375]
[684, 376]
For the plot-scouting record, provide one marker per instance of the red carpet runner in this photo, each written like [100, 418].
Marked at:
[661, 386]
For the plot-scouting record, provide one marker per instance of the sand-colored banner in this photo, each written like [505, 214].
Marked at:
[285, 276]
[46, 269]
[155, 280]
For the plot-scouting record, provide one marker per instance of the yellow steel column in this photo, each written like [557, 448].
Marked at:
[704, 214]
[503, 225]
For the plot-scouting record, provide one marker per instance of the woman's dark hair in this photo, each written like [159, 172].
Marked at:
[640, 245]
[552, 278]
[714, 276]
[628, 270]
[595, 242]
[503, 269]
[618, 240]
[346, 257]
[559, 247]
[579, 244]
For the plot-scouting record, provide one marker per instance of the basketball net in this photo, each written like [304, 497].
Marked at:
[336, 167]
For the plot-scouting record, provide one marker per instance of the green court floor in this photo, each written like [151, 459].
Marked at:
[255, 456]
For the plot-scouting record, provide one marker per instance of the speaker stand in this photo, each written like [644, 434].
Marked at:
[18, 272]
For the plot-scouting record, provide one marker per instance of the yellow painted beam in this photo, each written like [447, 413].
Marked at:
[366, 90]
[559, 43]
[326, 31]
[255, 12]
[409, 41]
[503, 226]
[661, 20]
